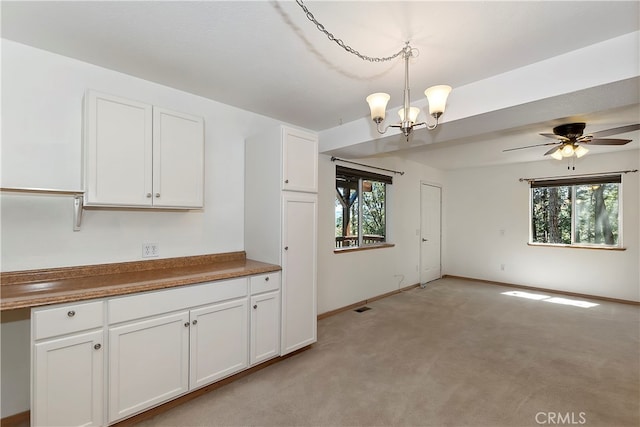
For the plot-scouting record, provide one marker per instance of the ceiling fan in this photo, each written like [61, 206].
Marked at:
[571, 141]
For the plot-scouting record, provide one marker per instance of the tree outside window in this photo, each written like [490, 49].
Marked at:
[360, 207]
[579, 211]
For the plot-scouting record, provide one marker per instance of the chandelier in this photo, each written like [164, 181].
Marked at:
[436, 96]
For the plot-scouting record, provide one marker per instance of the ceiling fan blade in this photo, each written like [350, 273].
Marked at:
[554, 136]
[531, 146]
[551, 151]
[615, 131]
[607, 141]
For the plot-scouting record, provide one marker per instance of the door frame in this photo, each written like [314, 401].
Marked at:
[438, 186]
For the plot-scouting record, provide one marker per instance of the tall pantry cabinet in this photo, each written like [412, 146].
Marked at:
[281, 184]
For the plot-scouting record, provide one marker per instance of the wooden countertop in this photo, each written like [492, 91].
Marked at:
[23, 289]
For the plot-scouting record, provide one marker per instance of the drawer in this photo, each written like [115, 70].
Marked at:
[66, 319]
[265, 283]
[126, 308]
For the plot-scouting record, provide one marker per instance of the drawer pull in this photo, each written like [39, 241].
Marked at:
[195, 322]
[97, 346]
[71, 313]
[266, 279]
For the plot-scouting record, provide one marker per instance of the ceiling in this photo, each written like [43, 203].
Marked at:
[268, 58]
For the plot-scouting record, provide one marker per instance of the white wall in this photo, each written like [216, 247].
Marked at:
[479, 203]
[348, 277]
[41, 147]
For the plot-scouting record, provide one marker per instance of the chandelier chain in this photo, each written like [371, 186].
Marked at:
[341, 43]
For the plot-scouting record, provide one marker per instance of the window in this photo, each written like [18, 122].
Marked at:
[360, 206]
[577, 211]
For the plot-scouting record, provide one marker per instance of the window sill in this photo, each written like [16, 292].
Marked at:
[601, 248]
[363, 248]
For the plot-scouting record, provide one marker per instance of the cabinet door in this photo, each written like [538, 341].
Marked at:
[148, 363]
[265, 327]
[219, 338]
[178, 159]
[299, 311]
[299, 161]
[118, 148]
[68, 384]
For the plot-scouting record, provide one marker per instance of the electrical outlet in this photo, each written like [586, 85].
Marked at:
[150, 250]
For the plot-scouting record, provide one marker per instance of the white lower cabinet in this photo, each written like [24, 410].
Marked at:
[265, 327]
[68, 385]
[148, 363]
[218, 341]
[67, 365]
[160, 345]
[299, 307]
[265, 317]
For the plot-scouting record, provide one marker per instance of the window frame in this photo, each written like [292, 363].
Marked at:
[362, 176]
[572, 183]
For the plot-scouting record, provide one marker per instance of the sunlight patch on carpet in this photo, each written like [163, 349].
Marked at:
[547, 298]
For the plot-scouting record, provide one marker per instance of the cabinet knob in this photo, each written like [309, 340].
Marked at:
[157, 194]
[266, 279]
[255, 306]
[186, 325]
[195, 322]
[286, 181]
[97, 346]
[286, 248]
[149, 195]
[71, 313]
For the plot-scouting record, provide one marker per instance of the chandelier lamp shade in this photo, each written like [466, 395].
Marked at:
[436, 96]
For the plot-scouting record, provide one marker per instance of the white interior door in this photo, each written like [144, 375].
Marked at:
[430, 232]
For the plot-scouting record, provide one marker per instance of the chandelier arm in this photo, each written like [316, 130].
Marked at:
[341, 43]
[433, 126]
[382, 130]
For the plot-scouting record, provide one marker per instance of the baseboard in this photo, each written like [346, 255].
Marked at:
[16, 419]
[553, 291]
[364, 302]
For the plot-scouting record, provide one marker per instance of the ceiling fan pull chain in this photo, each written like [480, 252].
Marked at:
[341, 43]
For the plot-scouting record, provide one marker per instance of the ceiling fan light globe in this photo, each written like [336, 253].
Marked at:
[557, 154]
[437, 97]
[567, 150]
[581, 151]
[378, 105]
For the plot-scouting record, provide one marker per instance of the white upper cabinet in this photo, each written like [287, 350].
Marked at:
[299, 160]
[178, 159]
[138, 155]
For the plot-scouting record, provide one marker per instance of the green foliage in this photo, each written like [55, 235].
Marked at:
[595, 210]
[551, 215]
[347, 204]
[373, 210]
